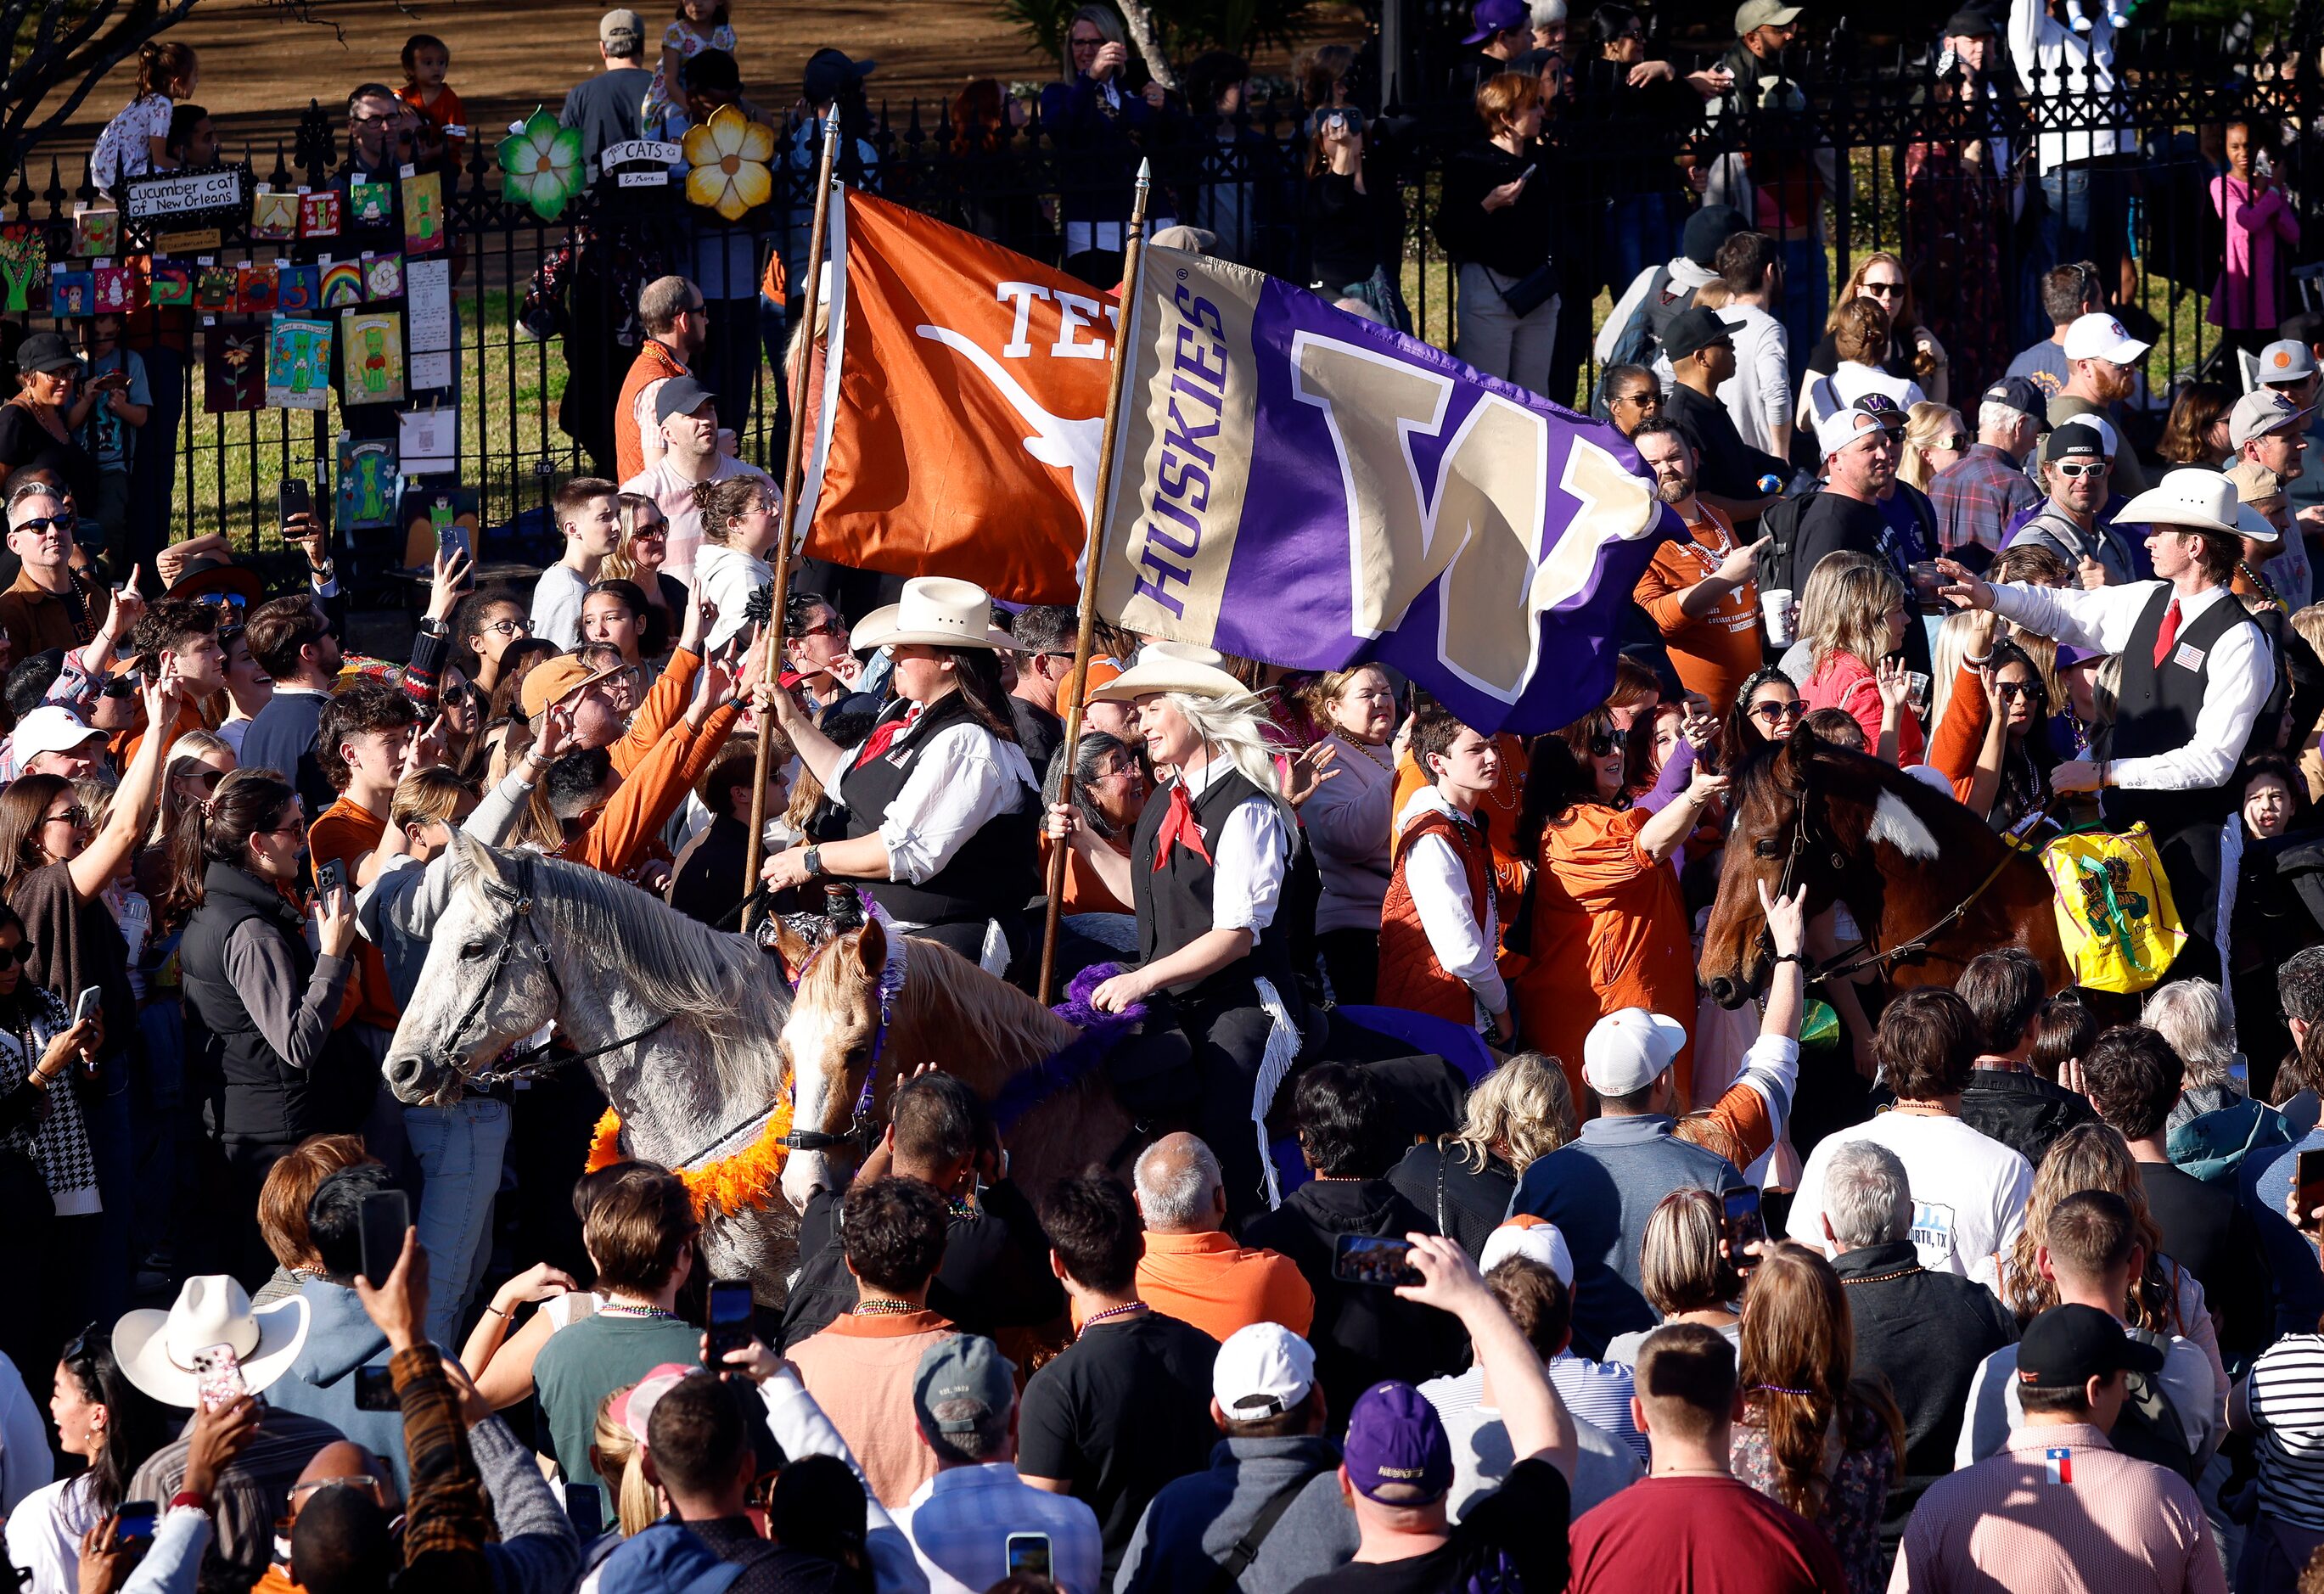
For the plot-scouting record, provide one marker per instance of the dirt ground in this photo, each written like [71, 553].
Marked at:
[260, 69]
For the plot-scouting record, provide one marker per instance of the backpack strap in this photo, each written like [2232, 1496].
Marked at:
[1228, 1577]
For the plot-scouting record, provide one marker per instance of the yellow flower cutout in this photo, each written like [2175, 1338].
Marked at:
[727, 157]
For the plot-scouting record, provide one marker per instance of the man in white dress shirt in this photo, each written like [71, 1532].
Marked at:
[2195, 671]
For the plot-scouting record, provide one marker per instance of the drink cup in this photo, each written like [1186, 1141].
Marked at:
[1776, 608]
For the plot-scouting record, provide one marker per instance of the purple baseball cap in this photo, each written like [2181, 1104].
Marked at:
[1397, 1451]
[2070, 656]
[1491, 18]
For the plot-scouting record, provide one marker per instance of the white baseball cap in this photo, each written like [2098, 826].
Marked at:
[1537, 1240]
[1262, 1370]
[2099, 337]
[1842, 426]
[50, 728]
[1629, 1049]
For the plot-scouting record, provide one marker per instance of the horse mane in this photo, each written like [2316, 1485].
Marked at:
[985, 1016]
[672, 962]
[1946, 819]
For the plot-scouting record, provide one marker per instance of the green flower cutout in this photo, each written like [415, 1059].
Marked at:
[540, 164]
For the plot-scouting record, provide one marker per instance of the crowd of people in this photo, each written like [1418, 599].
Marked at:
[1597, 1267]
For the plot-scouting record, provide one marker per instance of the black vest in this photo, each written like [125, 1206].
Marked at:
[266, 1098]
[996, 869]
[1174, 902]
[2156, 709]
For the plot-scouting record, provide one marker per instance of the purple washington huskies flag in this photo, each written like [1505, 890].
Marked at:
[1298, 484]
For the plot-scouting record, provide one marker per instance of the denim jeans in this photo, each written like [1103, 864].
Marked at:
[2087, 218]
[1807, 298]
[1638, 236]
[459, 1148]
[162, 1123]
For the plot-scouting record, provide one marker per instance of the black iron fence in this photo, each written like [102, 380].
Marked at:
[1863, 154]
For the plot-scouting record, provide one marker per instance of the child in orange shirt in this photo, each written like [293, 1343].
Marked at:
[443, 131]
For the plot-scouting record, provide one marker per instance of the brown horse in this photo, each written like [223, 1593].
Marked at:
[943, 1009]
[1903, 857]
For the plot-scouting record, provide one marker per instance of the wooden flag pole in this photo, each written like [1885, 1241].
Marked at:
[1134, 252]
[793, 470]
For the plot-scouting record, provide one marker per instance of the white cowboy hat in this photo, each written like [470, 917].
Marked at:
[936, 611]
[2192, 499]
[1172, 666]
[156, 1349]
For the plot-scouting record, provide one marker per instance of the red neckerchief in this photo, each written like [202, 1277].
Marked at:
[1179, 829]
[883, 734]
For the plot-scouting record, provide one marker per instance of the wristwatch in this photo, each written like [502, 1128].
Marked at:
[813, 858]
[432, 626]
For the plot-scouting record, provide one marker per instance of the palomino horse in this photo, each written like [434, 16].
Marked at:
[676, 1022]
[872, 1006]
[1929, 884]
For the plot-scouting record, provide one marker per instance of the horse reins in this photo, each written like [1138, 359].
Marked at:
[858, 1133]
[1847, 964]
[527, 1064]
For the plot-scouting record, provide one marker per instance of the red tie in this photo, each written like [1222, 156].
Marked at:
[2168, 634]
[1179, 828]
[882, 735]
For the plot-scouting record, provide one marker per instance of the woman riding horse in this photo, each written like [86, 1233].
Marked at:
[1205, 874]
[942, 811]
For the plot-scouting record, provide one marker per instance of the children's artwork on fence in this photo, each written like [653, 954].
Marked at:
[367, 484]
[234, 367]
[318, 215]
[256, 284]
[274, 217]
[298, 288]
[72, 293]
[423, 213]
[428, 440]
[24, 265]
[342, 284]
[371, 356]
[299, 363]
[370, 203]
[214, 288]
[172, 283]
[113, 290]
[96, 233]
[428, 304]
[383, 276]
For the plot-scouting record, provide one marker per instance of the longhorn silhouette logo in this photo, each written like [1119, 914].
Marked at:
[1071, 446]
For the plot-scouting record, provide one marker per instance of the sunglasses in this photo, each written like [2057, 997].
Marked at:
[121, 685]
[1771, 713]
[232, 601]
[829, 629]
[1608, 741]
[456, 696]
[75, 817]
[38, 525]
[22, 952]
[208, 778]
[1955, 441]
[2011, 691]
[2085, 467]
[1882, 290]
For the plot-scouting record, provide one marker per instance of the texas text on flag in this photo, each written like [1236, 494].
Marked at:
[1301, 485]
[959, 408]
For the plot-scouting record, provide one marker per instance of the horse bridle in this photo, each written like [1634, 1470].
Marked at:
[528, 1064]
[859, 1133]
[1865, 955]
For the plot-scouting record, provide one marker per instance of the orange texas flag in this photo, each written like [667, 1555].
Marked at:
[959, 408]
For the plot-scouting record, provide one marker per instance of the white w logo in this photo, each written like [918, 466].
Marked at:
[1479, 539]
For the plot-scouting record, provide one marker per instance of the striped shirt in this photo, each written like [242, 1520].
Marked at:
[2286, 1397]
[2058, 1512]
[1597, 1392]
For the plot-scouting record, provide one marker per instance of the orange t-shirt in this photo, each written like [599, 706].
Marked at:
[346, 833]
[1717, 653]
[1219, 1286]
[1084, 891]
[654, 364]
[1609, 931]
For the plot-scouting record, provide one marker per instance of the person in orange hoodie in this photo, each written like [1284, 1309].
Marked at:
[1609, 926]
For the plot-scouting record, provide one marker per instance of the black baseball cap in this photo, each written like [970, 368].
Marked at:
[2076, 439]
[2020, 395]
[680, 395]
[1695, 329]
[1706, 229]
[830, 74]
[2068, 1346]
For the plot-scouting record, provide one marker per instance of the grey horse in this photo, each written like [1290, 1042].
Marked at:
[684, 1022]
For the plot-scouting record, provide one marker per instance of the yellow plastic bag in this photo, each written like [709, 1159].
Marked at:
[2115, 918]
